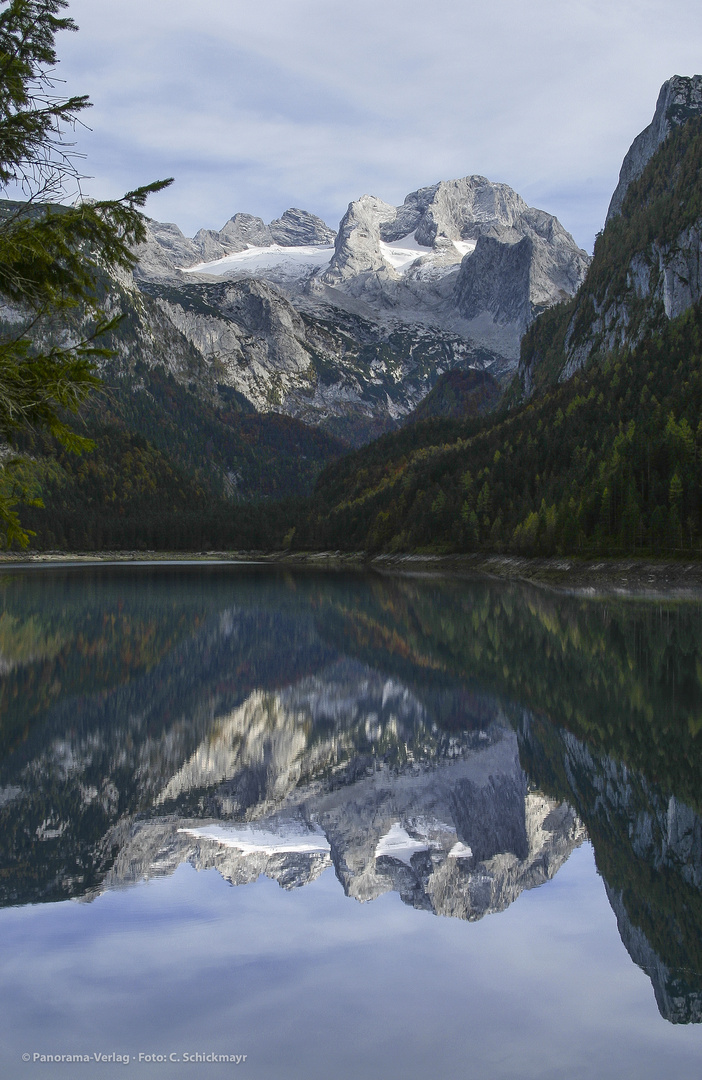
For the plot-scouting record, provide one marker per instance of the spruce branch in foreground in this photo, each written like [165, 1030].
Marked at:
[56, 251]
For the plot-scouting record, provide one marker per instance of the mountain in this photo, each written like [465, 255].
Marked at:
[338, 370]
[249, 358]
[596, 447]
[176, 449]
[248, 375]
[679, 100]
[646, 263]
[448, 740]
[350, 330]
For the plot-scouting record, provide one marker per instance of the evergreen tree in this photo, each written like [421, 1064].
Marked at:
[57, 250]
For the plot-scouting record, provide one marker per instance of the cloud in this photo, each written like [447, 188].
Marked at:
[310, 983]
[261, 106]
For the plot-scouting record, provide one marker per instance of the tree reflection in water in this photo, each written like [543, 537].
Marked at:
[449, 739]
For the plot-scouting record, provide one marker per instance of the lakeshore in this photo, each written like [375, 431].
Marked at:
[592, 576]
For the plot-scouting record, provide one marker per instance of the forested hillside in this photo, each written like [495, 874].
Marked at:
[595, 449]
[174, 450]
[645, 270]
[607, 461]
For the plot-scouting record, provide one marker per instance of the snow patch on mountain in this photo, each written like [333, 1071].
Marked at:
[460, 851]
[296, 264]
[398, 844]
[273, 262]
[251, 841]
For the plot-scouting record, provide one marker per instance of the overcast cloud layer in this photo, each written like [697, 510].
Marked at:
[258, 105]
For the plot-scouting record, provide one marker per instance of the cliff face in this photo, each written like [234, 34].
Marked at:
[646, 264]
[336, 369]
[648, 847]
[680, 98]
[461, 836]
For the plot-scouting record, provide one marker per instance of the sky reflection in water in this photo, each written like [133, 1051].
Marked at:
[134, 704]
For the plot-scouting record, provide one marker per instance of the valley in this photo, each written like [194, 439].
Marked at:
[452, 374]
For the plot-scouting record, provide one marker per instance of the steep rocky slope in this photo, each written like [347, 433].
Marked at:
[337, 369]
[680, 99]
[470, 252]
[649, 850]
[159, 387]
[646, 268]
[598, 447]
[351, 330]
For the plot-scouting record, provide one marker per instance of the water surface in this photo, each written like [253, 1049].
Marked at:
[347, 825]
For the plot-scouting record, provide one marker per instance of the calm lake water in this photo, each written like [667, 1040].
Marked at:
[346, 826]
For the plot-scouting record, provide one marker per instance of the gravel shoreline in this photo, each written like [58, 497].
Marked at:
[597, 576]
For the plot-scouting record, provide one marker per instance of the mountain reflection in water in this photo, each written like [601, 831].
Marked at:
[450, 740]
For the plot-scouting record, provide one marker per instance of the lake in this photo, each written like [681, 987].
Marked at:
[278, 824]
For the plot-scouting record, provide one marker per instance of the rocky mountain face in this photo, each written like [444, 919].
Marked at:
[680, 98]
[649, 851]
[646, 265]
[393, 730]
[166, 249]
[160, 387]
[341, 371]
[470, 251]
[351, 330]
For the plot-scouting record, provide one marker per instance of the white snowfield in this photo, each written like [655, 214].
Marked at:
[299, 263]
[460, 851]
[295, 262]
[403, 252]
[252, 841]
[398, 844]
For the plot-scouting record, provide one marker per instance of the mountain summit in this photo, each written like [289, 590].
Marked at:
[352, 329]
[646, 265]
[679, 99]
[605, 458]
[451, 257]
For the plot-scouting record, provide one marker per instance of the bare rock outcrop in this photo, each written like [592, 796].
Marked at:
[679, 99]
[475, 256]
[343, 336]
[357, 251]
[299, 227]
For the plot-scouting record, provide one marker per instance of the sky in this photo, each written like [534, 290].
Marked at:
[259, 105]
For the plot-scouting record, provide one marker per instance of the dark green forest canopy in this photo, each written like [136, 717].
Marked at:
[608, 462]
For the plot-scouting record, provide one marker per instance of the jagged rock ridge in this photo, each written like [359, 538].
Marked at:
[166, 249]
[469, 250]
[646, 270]
[464, 263]
[679, 99]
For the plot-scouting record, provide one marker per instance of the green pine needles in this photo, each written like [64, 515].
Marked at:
[56, 252]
